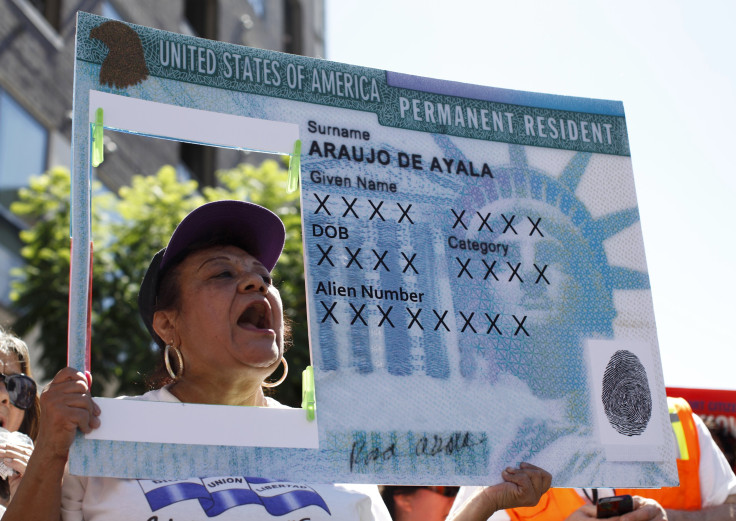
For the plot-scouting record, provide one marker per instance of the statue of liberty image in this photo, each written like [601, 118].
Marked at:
[552, 287]
[556, 276]
[500, 328]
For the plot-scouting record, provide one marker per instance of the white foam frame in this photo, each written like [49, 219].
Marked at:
[166, 422]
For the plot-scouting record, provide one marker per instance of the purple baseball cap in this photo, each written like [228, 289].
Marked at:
[249, 226]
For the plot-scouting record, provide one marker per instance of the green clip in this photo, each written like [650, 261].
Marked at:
[98, 150]
[295, 166]
[308, 392]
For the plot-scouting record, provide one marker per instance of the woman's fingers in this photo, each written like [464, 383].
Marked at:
[76, 416]
[645, 509]
[68, 381]
[584, 513]
[69, 394]
[19, 450]
[68, 374]
[70, 413]
[529, 476]
[540, 478]
[15, 455]
[66, 405]
[529, 481]
[19, 465]
[70, 388]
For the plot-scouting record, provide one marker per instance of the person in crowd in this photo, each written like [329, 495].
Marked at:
[19, 414]
[707, 489]
[209, 302]
[724, 439]
[422, 503]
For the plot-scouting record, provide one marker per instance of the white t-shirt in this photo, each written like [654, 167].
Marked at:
[216, 498]
[717, 480]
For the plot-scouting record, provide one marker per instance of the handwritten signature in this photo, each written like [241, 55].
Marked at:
[435, 445]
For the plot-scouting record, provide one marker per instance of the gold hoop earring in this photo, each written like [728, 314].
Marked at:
[179, 359]
[280, 380]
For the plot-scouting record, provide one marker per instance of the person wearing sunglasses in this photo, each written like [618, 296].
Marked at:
[423, 503]
[209, 302]
[19, 412]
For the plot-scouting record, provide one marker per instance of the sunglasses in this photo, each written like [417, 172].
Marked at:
[445, 491]
[21, 389]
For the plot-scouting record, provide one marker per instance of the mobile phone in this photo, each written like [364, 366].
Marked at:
[614, 506]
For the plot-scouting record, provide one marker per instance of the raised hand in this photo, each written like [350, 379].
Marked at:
[66, 405]
[15, 454]
[521, 487]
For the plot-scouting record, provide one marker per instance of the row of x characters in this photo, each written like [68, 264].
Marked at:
[492, 270]
[461, 219]
[464, 321]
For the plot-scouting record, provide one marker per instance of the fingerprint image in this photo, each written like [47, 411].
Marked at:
[626, 397]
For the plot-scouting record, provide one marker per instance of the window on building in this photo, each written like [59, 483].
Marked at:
[23, 148]
[108, 11]
[51, 11]
[199, 161]
[292, 27]
[201, 16]
[9, 259]
[259, 9]
[183, 174]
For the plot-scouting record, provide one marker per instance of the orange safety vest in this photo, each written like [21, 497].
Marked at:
[555, 505]
[558, 503]
[686, 496]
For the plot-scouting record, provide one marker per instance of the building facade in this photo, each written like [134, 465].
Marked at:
[36, 80]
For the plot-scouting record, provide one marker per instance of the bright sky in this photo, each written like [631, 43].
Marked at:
[672, 64]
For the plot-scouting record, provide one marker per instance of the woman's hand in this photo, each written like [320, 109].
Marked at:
[645, 509]
[15, 454]
[66, 405]
[521, 487]
[584, 513]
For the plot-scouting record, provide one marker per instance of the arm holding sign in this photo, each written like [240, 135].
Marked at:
[66, 405]
[209, 303]
[521, 487]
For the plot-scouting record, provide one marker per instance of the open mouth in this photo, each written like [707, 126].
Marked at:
[255, 316]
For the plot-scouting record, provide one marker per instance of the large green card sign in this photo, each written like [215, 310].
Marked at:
[476, 281]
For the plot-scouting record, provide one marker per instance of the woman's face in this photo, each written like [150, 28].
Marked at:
[425, 505]
[10, 416]
[229, 315]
